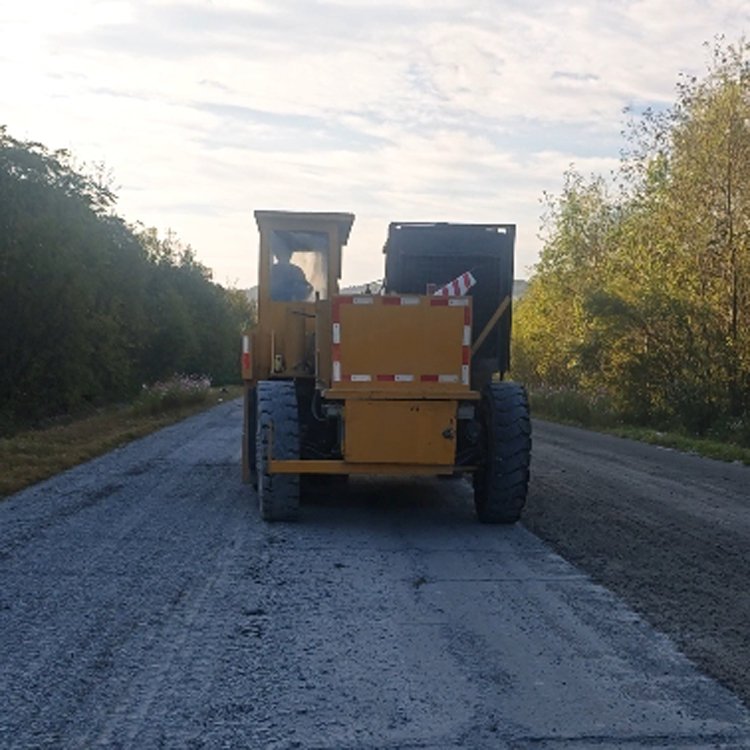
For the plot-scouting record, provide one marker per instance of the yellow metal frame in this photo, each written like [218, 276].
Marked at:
[341, 394]
[333, 466]
[345, 467]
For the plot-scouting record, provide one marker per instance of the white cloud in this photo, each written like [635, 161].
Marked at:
[452, 110]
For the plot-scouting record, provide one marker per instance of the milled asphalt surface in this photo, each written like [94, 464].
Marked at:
[667, 531]
[144, 604]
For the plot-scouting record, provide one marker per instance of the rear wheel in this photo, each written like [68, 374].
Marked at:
[277, 420]
[501, 482]
[248, 448]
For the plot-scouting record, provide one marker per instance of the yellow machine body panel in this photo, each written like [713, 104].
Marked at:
[400, 432]
[395, 343]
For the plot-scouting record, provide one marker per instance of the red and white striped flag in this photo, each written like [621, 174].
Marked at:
[458, 287]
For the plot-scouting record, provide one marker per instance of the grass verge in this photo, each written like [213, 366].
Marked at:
[686, 443]
[31, 456]
[572, 411]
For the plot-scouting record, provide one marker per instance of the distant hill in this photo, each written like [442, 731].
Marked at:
[362, 288]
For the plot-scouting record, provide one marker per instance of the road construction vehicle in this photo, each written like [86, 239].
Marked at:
[408, 380]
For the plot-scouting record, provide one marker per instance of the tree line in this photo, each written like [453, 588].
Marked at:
[641, 298]
[92, 307]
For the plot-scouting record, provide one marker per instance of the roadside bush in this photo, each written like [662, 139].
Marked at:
[178, 391]
[732, 430]
[569, 405]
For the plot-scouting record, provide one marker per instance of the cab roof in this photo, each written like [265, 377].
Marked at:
[344, 221]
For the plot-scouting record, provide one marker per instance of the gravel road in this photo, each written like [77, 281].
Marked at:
[143, 604]
[667, 531]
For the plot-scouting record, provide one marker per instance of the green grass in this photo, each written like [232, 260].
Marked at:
[33, 455]
[708, 447]
[580, 410]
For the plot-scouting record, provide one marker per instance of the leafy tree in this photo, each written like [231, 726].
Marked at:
[90, 307]
[645, 295]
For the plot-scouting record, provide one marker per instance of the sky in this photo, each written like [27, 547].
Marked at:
[416, 110]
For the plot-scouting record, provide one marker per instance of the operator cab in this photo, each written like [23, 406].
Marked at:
[299, 269]
[300, 255]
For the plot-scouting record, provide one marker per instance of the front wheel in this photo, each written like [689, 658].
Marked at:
[277, 434]
[501, 482]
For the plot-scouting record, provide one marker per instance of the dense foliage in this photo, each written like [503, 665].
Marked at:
[90, 307]
[641, 299]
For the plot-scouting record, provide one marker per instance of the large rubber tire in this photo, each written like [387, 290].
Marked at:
[278, 494]
[502, 480]
[251, 406]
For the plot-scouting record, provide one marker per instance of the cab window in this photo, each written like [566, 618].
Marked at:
[299, 265]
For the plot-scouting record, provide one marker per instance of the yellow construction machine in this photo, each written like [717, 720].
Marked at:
[406, 379]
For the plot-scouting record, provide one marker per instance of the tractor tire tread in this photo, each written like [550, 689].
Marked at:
[278, 494]
[501, 485]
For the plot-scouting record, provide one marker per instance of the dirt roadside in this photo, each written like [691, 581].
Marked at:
[668, 532]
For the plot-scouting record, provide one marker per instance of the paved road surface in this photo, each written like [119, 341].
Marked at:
[143, 604]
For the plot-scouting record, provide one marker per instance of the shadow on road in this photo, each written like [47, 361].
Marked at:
[387, 500]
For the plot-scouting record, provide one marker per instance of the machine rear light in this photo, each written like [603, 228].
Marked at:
[247, 361]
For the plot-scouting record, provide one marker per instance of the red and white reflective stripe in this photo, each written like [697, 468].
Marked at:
[246, 361]
[445, 378]
[336, 335]
[398, 378]
[402, 300]
[449, 301]
[466, 350]
[401, 378]
[466, 359]
[458, 286]
[336, 354]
